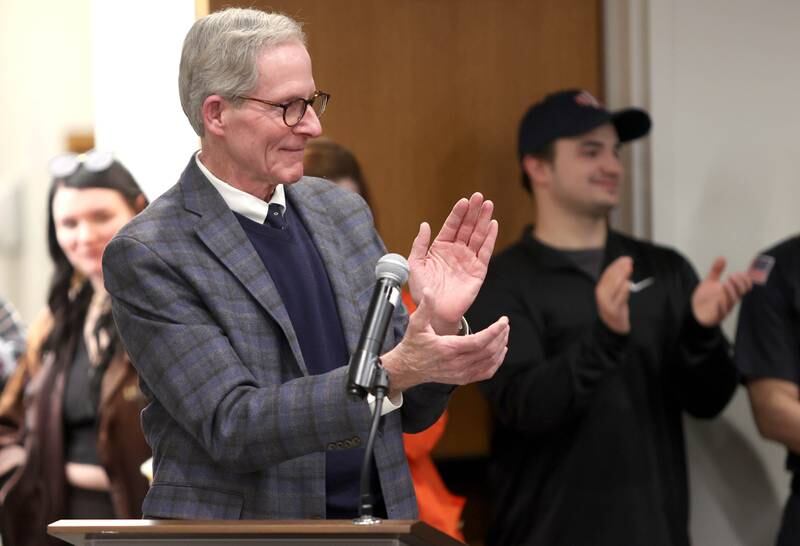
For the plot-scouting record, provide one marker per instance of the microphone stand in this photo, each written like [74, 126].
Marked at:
[366, 374]
[379, 383]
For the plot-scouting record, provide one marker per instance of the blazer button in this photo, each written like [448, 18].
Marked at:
[356, 441]
[340, 445]
[348, 444]
[331, 446]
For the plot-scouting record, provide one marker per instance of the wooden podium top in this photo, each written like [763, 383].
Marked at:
[154, 532]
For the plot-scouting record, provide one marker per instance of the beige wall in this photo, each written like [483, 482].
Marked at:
[723, 82]
[135, 82]
[45, 92]
[82, 65]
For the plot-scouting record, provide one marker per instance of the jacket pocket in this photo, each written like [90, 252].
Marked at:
[175, 501]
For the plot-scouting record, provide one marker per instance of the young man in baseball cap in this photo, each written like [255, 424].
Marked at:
[612, 340]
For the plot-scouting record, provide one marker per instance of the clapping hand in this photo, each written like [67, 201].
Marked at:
[612, 294]
[453, 267]
[714, 298]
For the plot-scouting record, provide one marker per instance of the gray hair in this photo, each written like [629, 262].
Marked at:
[220, 53]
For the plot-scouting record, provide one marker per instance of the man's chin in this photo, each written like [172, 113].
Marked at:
[602, 210]
[291, 177]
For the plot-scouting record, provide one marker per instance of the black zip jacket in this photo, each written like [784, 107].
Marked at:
[588, 446]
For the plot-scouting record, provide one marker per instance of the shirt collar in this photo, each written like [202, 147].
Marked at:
[247, 205]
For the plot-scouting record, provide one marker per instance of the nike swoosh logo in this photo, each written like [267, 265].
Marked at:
[641, 285]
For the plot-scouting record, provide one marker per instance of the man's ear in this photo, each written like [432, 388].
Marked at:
[213, 108]
[538, 170]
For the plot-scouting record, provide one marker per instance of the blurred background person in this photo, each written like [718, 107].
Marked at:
[613, 340]
[69, 416]
[325, 158]
[768, 358]
[12, 339]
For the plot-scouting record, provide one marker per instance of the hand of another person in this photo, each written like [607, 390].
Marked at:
[423, 356]
[612, 292]
[713, 299]
[454, 266]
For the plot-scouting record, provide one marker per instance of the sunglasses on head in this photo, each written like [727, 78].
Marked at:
[94, 161]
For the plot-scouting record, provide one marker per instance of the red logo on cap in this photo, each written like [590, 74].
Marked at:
[584, 98]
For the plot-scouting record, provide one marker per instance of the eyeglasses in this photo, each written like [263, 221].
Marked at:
[94, 161]
[294, 110]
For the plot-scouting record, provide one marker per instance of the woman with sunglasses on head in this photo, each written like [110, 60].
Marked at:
[69, 416]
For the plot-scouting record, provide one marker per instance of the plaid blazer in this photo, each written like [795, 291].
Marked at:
[237, 425]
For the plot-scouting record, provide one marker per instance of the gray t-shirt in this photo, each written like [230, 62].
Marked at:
[589, 260]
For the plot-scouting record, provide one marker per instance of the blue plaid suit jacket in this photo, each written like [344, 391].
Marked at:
[238, 427]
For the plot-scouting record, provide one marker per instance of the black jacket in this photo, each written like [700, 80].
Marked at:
[588, 447]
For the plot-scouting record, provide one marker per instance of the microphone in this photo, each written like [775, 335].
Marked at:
[392, 273]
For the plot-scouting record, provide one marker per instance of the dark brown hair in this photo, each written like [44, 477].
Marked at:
[327, 159]
[547, 154]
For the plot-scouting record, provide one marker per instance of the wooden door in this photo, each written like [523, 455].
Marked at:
[428, 93]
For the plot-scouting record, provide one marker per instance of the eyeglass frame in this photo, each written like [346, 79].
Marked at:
[285, 106]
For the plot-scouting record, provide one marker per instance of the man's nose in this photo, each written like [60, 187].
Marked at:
[310, 124]
[613, 165]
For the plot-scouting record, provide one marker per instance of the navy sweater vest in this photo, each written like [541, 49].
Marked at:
[299, 274]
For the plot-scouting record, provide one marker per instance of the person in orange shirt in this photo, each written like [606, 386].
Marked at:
[438, 507]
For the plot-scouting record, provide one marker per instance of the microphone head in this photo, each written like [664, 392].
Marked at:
[392, 266]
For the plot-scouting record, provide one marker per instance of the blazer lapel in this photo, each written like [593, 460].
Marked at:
[313, 210]
[219, 230]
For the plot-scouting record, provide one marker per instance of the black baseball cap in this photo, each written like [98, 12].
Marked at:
[573, 112]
